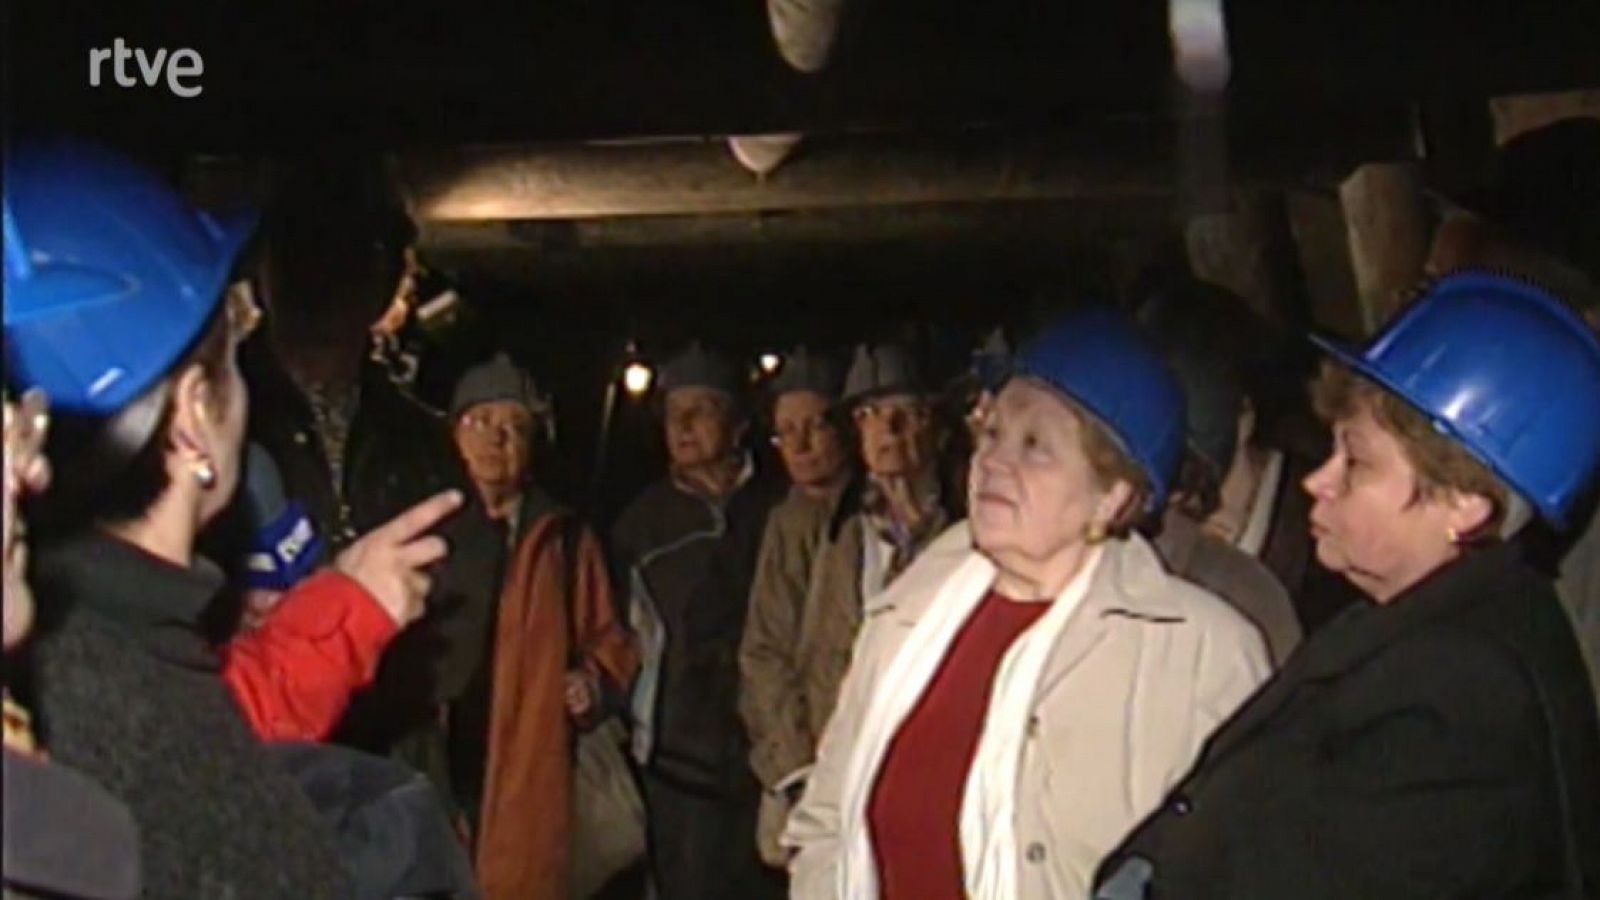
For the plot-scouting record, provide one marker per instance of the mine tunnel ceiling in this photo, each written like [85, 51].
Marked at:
[1132, 161]
[282, 77]
[546, 143]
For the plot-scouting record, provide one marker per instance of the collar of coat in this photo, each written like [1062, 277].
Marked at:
[858, 493]
[534, 504]
[1366, 628]
[157, 603]
[747, 470]
[1130, 582]
[827, 499]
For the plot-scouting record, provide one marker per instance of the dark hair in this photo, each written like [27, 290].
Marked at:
[1198, 490]
[99, 480]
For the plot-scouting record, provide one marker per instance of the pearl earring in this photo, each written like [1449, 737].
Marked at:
[205, 474]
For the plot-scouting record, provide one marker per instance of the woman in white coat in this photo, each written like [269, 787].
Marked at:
[1033, 684]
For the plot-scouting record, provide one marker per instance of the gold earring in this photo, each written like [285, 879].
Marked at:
[1452, 535]
[205, 474]
[1096, 533]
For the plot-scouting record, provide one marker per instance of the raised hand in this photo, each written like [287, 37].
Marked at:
[389, 561]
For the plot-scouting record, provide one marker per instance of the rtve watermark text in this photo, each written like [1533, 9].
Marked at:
[178, 67]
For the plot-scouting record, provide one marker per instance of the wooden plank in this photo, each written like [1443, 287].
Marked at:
[1389, 228]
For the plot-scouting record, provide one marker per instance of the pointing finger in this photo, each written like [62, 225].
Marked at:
[421, 517]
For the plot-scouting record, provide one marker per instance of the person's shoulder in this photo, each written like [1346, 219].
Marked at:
[1461, 675]
[1485, 648]
[72, 636]
[1213, 617]
[1148, 587]
[1239, 568]
[1516, 615]
[93, 687]
[939, 561]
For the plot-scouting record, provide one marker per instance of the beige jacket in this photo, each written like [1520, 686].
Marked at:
[1147, 667]
[773, 700]
[1235, 577]
[830, 620]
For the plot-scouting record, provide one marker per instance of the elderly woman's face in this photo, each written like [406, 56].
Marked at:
[701, 429]
[812, 449]
[1371, 521]
[897, 435]
[495, 441]
[1031, 490]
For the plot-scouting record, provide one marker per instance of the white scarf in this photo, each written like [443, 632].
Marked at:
[987, 827]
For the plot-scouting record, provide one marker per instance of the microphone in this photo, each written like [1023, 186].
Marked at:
[284, 544]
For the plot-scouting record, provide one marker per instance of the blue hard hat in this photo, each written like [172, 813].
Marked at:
[1505, 369]
[109, 274]
[1098, 358]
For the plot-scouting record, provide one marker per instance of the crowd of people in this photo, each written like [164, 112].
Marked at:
[1081, 621]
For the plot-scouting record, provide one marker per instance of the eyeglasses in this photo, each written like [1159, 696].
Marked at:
[817, 426]
[483, 424]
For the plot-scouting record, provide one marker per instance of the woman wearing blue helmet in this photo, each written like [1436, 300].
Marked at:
[1028, 689]
[120, 304]
[1440, 740]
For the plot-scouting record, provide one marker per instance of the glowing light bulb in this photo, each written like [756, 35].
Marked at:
[636, 378]
[770, 363]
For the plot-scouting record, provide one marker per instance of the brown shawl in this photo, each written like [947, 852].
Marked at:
[523, 840]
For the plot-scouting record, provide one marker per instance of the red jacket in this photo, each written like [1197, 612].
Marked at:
[294, 676]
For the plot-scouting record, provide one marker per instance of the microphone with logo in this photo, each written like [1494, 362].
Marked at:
[284, 545]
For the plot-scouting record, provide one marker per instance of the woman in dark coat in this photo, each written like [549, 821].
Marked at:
[1440, 740]
[119, 305]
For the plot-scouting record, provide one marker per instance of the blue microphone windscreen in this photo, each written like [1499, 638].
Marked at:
[284, 544]
[264, 494]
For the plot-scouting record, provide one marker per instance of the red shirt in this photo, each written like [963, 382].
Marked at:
[915, 811]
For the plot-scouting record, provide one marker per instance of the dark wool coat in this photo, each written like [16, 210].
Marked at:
[127, 691]
[1434, 746]
[696, 559]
